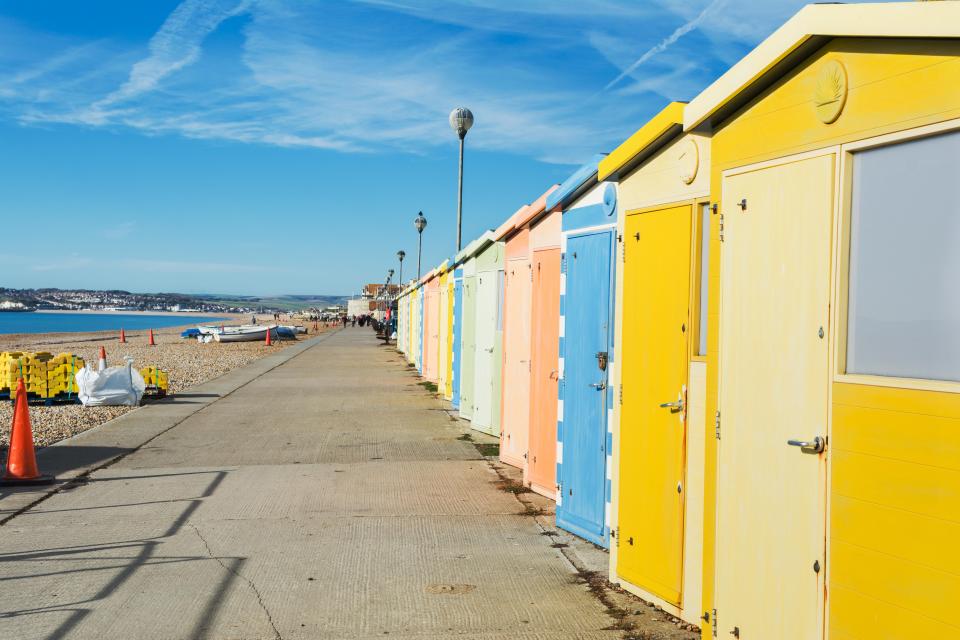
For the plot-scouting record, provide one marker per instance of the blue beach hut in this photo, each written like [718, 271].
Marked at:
[585, 403]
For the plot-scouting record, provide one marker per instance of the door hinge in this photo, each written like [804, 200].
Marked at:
[613, 534]
[716, 425]
[623, 252]
[714, 623]
[721, 227]
[621, 393]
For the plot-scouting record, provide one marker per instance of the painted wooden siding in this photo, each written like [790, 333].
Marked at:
[895, 513]
[658, 181]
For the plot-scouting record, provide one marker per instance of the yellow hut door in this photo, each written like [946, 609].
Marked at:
[774, 381]
[656, 323]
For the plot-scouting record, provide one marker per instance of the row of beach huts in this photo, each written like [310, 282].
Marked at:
[729, 348]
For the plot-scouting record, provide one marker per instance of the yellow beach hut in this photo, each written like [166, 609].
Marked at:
[443, 328]
[833, 363]
[658, 436]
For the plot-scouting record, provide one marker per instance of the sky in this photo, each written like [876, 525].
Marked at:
[268, 147]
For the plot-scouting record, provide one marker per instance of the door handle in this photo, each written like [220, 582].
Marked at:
[599, 386]
[817, 445]
[553, 375]
[675, 407]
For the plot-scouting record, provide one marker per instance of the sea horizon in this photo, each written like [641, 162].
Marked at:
[81, 321]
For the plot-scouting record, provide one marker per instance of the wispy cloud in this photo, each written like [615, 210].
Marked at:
[661, 46]
[199, 268]
[373, 75]
[65, 263]
[119, 230]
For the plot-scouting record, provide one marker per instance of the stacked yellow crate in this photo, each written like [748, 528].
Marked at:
[8, 380]
[33, 368]
[156, 381]
[61, 376]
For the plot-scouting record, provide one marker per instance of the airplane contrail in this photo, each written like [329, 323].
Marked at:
[666, 42]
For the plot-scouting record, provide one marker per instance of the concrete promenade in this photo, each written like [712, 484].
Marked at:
[319, 493]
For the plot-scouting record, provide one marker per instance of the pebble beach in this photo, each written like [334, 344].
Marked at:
[187, 362]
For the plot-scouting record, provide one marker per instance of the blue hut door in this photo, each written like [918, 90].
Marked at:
[583, 428]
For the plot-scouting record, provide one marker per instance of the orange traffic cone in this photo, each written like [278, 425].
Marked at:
[102, 364]
[267, 341]
[151, 343]
[21, 458]
[123, 336]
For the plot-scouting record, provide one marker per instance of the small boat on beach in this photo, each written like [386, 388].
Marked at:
[246, 333]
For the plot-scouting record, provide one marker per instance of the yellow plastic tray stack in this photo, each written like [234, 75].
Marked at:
[61, 376]
[8, 381]
[156, 381]
[45, 377]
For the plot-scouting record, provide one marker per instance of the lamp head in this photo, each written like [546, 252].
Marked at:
[420, 222]
[461, 119]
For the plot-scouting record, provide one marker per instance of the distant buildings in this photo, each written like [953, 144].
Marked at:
[373, 300]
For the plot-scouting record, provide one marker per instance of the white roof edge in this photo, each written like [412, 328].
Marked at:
[877, 20]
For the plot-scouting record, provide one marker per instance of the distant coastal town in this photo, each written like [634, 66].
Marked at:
[22, 300]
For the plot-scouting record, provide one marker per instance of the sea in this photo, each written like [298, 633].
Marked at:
[38, 322]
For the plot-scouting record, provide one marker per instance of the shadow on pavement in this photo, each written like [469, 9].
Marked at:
[123, 566]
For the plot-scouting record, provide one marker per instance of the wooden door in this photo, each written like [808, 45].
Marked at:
[774, 380]
[514, 428]
[468, 346]
[544, 372]
[655, 355]
[587, 323]
[486, 313]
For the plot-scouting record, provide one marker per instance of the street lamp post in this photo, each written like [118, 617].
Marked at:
[401, 255]
[420, 223]
[461, 119]
[386, 294]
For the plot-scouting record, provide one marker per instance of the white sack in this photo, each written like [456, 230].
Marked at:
[112, 386]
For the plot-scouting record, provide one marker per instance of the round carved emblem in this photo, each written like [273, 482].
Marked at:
[831, 92]
[689, 160]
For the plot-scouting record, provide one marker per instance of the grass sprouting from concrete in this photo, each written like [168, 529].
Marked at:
[488, 450]
[429, 386]
[512, 486]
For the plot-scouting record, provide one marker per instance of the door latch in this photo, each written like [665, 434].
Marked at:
[817, 445]
[602, 360]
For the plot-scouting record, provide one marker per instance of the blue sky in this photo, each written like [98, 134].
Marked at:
[285, 146]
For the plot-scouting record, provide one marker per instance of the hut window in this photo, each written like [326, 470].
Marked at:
[903, 311]
[704, 279]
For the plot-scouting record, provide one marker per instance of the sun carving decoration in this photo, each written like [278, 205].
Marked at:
[689, 160]
[831, 93]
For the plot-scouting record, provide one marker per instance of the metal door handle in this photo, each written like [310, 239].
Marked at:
[816, 446]
[675, 407]
[553, 375]
[599, 386]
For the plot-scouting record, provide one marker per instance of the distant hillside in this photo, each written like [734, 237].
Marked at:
[74, 299]
[285, 302]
